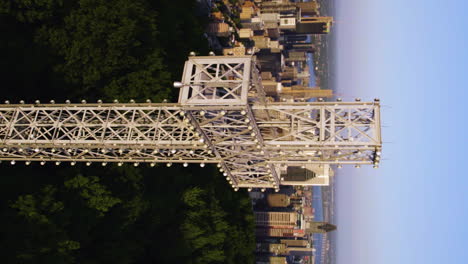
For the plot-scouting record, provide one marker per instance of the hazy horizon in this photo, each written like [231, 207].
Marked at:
[412, 209]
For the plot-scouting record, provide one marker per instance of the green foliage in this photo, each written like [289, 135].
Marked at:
[96, 195]
[37, 234]
[204, 228]
[68, 245]
[110, 45]
[36, 208]
[31, 10]
[106, 49]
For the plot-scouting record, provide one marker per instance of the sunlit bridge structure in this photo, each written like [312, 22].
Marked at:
[222, 117]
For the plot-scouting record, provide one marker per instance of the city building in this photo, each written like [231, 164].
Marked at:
[293, 38]
[308, 8]
[270, 61]
[318, 227]
[304, 47]
[278, 232]
[302, 92]
[276, 219]
[278, 33]
[278, 260]
[271, 260]
[235, 51]
[278, 200]
[245, 33]
[274, 248]
[300, 251]
[308, 212]
[219, 29]
[295, 242]
[314, 25]
[307, 175]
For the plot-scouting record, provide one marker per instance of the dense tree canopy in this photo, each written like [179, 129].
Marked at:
[106, 49]
[100, 48]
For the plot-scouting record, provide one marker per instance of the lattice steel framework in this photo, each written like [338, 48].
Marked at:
[222, 117]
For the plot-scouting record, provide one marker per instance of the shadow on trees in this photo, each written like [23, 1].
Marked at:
[110, 49]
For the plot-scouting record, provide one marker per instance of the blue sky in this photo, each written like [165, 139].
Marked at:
[413, 56]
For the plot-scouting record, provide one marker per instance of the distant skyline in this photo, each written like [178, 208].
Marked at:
[413, 55]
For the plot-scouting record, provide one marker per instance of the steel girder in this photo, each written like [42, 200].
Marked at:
[222, 117]
[248, 142]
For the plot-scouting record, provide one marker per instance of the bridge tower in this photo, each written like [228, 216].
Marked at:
[222, 117]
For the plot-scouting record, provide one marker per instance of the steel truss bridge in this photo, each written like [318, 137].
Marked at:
[222, 117]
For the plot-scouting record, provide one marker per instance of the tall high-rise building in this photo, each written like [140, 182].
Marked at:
[278, 232]
[269, 61]
[275, 248]
[276, 219]
[310, 174]
[270, 260]
[294, 38]
[308, 8]
[280, 8]
[295, 242]
[296, 56]
[300, 251]
[306, 92]
[285, 248]
[286, 7]
[296, 173]
[289, 72]
[304, 47]
[278, 200]
[319, 227]
[314, 25]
